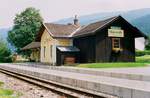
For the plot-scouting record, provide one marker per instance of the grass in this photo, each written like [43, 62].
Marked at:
[1, 83]
[111, 65]
[141, 61]
[7, 93]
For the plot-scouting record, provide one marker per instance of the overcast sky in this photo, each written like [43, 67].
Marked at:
[52, 10]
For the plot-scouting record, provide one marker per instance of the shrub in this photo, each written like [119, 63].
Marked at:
[8, 59]
[143, 59]
[142, 53]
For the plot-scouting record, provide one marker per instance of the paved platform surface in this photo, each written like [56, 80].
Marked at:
[138, 73]
[137, 70]
[123, 88]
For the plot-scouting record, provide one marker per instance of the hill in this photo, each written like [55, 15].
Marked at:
[129, 15]
[143, 23]
[139, 18]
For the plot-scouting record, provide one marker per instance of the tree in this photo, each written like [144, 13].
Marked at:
[4, 52]
[26, 26]
[148, 45]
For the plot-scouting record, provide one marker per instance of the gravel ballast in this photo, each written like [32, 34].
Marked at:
[25, 89]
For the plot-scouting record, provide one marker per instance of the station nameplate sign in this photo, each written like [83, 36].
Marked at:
[115, 33]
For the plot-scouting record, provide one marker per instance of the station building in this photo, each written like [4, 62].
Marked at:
[109, 40]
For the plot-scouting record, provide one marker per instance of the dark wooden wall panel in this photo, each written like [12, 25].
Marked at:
[100, 46]
[87, 48]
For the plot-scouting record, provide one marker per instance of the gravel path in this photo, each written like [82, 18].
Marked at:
[27, 90]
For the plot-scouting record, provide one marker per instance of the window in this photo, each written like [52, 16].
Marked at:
[116, 44]
[51, 51]
[44, 51]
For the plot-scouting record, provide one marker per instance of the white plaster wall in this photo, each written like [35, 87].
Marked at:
[140, 43]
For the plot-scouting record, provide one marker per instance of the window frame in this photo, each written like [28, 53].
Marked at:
[114, 46]
[51, 50]
[44, 51]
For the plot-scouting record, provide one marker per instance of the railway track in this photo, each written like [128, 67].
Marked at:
[61, 89]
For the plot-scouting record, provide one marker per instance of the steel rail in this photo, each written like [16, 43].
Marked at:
[62, 89]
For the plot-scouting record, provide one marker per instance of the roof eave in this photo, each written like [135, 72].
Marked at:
[99, 28]
[83, 35]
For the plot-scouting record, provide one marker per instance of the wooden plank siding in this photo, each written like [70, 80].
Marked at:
[98, 47]
[87, 48]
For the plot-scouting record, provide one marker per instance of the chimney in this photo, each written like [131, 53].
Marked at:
[76, 21]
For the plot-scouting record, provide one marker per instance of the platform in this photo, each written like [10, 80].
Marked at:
[122, 88]
[138, 73]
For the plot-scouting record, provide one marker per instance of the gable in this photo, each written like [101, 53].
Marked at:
[46, 38]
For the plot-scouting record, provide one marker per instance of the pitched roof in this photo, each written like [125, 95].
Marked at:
[32, 45]
[60, 30]
[91, 28]
[57, 30]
